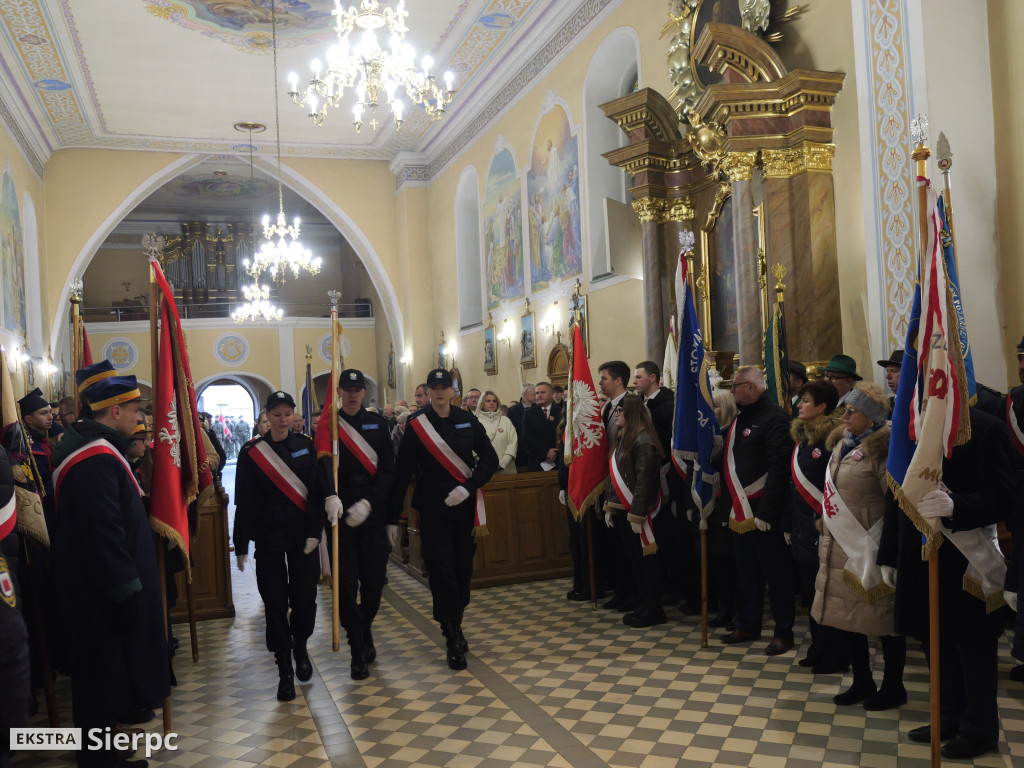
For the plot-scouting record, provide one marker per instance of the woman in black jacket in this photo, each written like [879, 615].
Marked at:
[634, 496]
[814, 422]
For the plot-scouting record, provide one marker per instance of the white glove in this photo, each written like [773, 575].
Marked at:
[241, 560]
[562, 498]
[636, 527]
[334, 509]
[458, 495]
[935, 504]
[609, 519]
[889, 575]
[392, 533]
[691, 514]
[788, 537]
[762, 525]
[357, 513]
[311, 544]
[1011, 600]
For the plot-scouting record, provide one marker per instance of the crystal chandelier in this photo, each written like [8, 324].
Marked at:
[257, 306]
[375, 73]
[279, 257]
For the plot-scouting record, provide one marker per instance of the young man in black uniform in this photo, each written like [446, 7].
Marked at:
[279, 505]
[359, 494]
[438, 447]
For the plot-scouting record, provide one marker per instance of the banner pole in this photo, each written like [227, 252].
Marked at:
[76, 335]
[332, 399]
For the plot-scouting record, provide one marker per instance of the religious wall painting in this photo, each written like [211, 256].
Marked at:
[122, 354]
[326, 348]
[12, 259]
[503, 232]
[392, 377]
[490, 349]
[231, 349]
[527, 339]
[553, 200]
[246, 24]
[724, 301]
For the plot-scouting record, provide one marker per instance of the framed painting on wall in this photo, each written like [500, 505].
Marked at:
[527, 347]
[490, 350]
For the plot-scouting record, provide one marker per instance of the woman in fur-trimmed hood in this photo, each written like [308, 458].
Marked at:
[851, 591]
[815, 421]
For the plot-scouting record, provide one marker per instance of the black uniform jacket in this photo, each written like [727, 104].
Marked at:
[763, 445]
[466, 436]
[980, 479]
[516, 414]
[262, 511]
[354, 480]
[539, 433]
[103, 553]
[812, 457]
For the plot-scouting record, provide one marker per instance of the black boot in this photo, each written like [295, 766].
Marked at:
[286, 683]
[358, 668]
[456, 656]
[456, 634]
[303, 666]
[369, 649]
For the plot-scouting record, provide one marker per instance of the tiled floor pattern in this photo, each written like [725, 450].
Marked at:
[550, 683]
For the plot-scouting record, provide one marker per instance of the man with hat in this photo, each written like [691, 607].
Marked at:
[439, 446]
[37, 416]
[841, 371]
[797, 378]
[104, 563]
[358, 496]
[279, 506]
[892, 368]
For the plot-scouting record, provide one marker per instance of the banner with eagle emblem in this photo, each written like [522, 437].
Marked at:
[586, 442]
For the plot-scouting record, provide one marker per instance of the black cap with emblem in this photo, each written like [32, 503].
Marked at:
[351, 379]
[32, 402]
[279, 398]
[439, 377]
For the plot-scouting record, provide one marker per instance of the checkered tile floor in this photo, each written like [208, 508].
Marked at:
[550, 683]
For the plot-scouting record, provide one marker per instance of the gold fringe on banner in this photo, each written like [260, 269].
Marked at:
[745, 527]
[877, 592]
[479, 532]
[588, 502]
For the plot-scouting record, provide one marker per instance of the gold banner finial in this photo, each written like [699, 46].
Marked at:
[779, 273]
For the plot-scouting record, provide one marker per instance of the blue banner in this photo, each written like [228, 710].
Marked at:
[949, 257]
[901, 447]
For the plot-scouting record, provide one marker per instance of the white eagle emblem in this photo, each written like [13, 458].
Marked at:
[587, 427]
[171, 434]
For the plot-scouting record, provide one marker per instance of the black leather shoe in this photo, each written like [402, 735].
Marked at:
[286, 686]
[722, 619]
[576, 596]
[612, 605]
[455, 657]
[808, 661]
[923, 734]
[855, 694]
[886, 698]
[303, 666]
[358, 670]
[778, 646]
[647, 618]
[962, 748]
[369, 649]
[739, 636]
[463, 642]
[831, 668]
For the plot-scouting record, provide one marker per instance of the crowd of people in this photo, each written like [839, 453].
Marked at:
[803, 512]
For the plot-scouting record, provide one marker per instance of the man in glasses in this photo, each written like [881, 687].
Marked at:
[841, 371]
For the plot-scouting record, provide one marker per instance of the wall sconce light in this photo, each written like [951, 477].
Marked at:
[506, 334]
[550, 320]
[406, 358]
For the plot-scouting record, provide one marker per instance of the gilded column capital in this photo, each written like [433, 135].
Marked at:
[818, 157]
[680, 210]
[650, 209]
[782, 163]
[739, 166]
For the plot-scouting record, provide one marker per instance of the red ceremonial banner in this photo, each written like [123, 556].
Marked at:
[588, 472]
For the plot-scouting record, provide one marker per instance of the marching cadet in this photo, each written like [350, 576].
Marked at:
[439, 444]
[38, 418]
[359, 495]
[280, 507]
[104, 563]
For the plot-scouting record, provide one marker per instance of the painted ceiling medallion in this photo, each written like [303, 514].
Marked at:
[245, 24]
[223, 188]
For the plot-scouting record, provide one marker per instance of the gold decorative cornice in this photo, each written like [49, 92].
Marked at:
[782, 163]
[680, 210]
[818, 157]
[739, 166]
[650, 209]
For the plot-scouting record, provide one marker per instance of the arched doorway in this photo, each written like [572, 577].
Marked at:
[558, 366]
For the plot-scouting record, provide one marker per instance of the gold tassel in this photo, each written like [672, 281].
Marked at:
[479, 532]
[992, 602]
[589, 501]
[650, 549]
[933, 538]
[744, 527]
[163, 529]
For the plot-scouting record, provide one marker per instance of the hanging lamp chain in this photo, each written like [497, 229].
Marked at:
[277, 109]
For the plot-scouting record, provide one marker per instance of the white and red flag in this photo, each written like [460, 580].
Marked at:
[586, 444]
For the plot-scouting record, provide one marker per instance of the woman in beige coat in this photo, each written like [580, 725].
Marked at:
[500, 431]
[852, 594]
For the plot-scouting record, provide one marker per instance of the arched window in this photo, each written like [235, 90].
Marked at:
[468, 261]
[33, 290]
[613, 72]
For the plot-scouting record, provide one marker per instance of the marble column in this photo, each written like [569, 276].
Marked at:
[654, 300]
[739, 166]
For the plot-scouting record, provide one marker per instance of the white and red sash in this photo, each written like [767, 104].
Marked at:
[450, 460]
[358, 446]
[280, 474]
[1015, 431]
[808, 491]
[626, 497]
[9, 515]
[87, 451]
[741, 518]
[860, 545]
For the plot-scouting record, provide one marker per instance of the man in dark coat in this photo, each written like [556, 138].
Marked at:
[279, 505]
[358, 497]
[447, 508]
[1011, 411]
[104, 563]
[979, 476]
[516, 414]
[539, 423]
[761, 449]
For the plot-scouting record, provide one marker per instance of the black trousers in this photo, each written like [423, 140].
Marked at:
[287, 580]
[362, 564]
[644, 571]
[579, 550]
[894, 651]
[670, 555]
[448, 548]
[762, 558]
[721, 568]
[968, 673]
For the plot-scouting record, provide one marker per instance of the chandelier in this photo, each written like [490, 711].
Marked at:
[279, 257]
[257, 306]
[376, 74]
